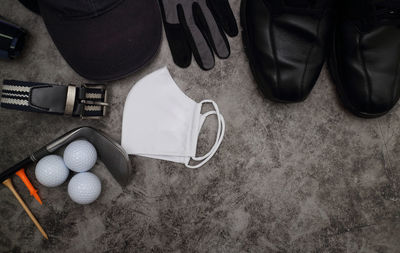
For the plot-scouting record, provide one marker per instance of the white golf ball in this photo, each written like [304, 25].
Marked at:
[80, 156]
[84, 188]
[51, 171]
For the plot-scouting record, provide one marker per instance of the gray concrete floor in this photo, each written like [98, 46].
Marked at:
[306, 177]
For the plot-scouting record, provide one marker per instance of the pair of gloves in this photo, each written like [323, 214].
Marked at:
[198, 27]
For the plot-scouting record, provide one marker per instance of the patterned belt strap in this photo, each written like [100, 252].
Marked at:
[85, 101]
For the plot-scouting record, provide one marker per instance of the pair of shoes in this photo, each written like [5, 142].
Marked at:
[288, 41]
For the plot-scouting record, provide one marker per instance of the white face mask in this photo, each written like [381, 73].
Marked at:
[161, 122]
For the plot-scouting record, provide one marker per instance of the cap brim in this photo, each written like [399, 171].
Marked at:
[110, 46]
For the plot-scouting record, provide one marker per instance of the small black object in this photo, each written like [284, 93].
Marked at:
[12, 39]
[286, 42]
[31, 5]
[198, 27]
[85, 101]
[364, 62]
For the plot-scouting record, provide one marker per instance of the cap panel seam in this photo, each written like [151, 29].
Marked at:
[93, 6]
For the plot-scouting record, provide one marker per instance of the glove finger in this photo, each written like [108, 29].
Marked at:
[178, 44]
[224, 16]
[212, 31]
[200, 47]
[176, 36]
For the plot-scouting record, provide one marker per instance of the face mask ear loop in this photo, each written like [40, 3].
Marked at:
[219, 127]
[213, 150]
[219, 138]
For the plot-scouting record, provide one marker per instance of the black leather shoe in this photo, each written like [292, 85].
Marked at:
[365, 60]
[286, 42]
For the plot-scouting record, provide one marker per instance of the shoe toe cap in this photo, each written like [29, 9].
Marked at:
[287, 84]
[372, 100]
[292, 89]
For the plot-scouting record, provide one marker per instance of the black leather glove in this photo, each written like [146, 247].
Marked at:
[198, 27]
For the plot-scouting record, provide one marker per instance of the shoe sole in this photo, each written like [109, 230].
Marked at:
[334, 72]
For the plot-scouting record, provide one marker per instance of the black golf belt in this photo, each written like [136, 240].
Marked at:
[85, 101]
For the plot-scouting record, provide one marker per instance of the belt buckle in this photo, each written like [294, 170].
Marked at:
[103, 103]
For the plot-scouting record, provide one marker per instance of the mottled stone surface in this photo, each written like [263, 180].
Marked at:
[306, 177]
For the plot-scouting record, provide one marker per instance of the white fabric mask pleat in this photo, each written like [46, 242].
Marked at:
[161, 122]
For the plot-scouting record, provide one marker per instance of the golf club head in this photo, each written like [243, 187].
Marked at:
[109, 152]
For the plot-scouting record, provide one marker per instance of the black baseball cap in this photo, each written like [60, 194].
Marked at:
[102, 40]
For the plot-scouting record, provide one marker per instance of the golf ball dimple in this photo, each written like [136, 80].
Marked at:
[51, 171]
[80, 156]
[84, 188]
